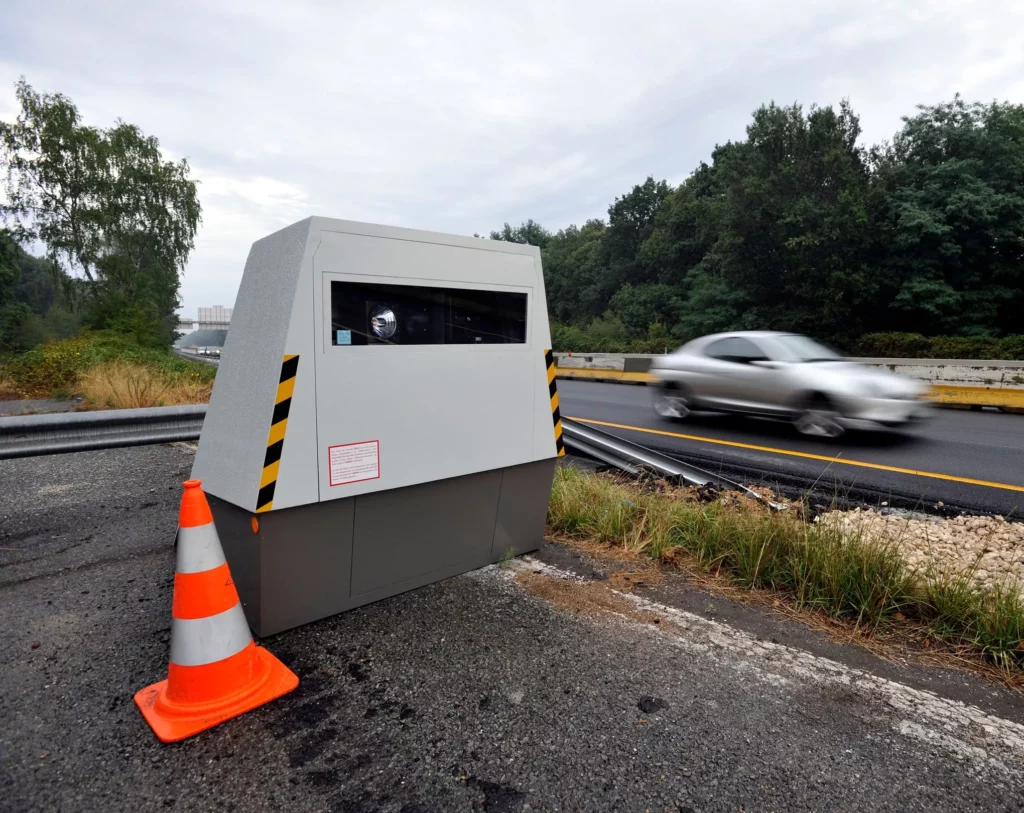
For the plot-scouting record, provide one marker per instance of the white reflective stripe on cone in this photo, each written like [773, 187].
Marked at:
[199, 549]
[199, 641]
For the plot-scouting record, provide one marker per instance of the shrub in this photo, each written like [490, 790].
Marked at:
[56, 366]
[49, 367]
[914, 345]
[607, 336]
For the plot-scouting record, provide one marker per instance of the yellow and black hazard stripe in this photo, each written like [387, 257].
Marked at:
[275, 440]
[556, 415]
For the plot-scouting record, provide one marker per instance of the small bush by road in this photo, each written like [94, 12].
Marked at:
[916, 346]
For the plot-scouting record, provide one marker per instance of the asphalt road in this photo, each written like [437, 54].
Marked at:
[512, 688]
[954, 446]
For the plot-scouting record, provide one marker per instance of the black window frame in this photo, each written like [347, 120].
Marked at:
[428, 315]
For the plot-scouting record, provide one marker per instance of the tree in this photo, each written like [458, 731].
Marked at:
[951, 203]
[795, 233]
[630, 222]
[105, 203]
[574, 273]
[798, 227]
[32, 307]
[630, 217]
[13, 312]
[528, 233]
[643, 305]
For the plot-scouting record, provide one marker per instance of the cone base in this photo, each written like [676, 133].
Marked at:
[172, 722]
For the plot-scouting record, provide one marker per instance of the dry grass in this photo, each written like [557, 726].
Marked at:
[585, 598]
[127, 385]
[8, 391]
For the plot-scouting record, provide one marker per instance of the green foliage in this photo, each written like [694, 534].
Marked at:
[639, 306]
[815, 566]
[630, 223]
[574, 273]
[797, 227]
[57, 365]
[608, 335]
[916, 346]
[952, 213]
[529, 233]
[32, 308]
[108, 208]
[19, 327]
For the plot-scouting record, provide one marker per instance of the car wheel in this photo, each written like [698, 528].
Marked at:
[819, 419]
[672, 402]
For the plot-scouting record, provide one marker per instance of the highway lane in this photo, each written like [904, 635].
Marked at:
[952, 448]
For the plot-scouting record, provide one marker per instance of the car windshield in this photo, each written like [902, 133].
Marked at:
[802, 349]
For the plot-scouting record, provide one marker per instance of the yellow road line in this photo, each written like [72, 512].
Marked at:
[807, 455]
[940, 393]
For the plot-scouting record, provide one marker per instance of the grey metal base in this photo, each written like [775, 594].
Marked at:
[309, 562]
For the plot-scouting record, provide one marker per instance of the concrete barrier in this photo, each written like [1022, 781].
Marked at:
[954, 382]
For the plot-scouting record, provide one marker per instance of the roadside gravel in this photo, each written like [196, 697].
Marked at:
[988, 549]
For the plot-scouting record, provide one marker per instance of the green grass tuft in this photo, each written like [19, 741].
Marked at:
[816, 566]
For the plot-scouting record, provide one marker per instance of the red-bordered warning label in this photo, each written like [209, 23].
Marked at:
[354, 462]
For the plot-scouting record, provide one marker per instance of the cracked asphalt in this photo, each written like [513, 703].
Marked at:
[476, 693]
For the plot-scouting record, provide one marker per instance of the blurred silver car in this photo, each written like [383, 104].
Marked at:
[785, 376]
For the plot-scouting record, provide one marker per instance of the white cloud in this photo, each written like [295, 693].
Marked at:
[259, 191]
[459, 115]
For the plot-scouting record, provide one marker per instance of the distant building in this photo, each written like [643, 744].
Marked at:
[214, 318]
[186, 325]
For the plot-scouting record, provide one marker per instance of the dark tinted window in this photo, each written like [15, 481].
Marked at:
[735, 349]
[368, 313]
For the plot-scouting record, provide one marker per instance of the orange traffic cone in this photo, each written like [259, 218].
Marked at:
[216, 671]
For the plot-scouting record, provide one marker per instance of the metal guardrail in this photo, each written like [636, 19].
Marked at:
[31, 435]
[202, 359]
[28, 435]
[634, 458]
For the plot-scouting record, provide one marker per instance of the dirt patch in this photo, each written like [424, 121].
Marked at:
[626, 581]
[586, 598]
[903, 643]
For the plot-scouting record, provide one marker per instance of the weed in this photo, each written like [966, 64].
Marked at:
[507, 556]
[8, 392]
[989, 620]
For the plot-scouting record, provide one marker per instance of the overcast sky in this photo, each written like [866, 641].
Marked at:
[457, 116]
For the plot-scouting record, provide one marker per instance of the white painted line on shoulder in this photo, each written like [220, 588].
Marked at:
[964, 731]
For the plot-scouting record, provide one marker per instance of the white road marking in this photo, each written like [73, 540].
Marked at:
[966, 732]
